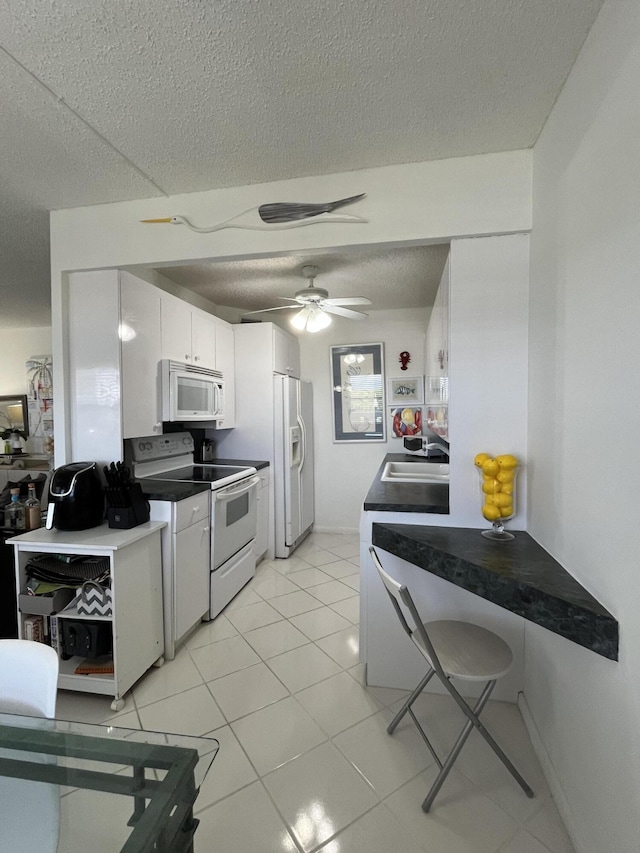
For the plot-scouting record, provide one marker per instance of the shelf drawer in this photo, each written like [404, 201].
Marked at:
[190, 510]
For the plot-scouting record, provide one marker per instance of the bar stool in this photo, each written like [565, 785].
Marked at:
[452, 650]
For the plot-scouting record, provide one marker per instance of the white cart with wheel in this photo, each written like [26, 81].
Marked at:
[135, 567]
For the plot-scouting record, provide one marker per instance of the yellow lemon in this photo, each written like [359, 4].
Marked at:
[501, 500]
[490, 467]
[491, 513]
[506, 511]
[480, 458]
[507, 461]
[507, 488]
[506, 475]
[490, 486]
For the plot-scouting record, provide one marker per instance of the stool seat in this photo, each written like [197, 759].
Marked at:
[467, 651]
[452, 649]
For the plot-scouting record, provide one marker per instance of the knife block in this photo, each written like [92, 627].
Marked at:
[127, 517]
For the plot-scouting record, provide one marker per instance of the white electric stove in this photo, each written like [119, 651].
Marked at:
[234, 490]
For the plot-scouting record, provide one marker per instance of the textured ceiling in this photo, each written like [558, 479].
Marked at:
[117, 99]
[390, 278]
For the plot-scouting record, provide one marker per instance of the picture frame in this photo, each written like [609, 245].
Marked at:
[406, 421]
[405, 391]
[357, 380]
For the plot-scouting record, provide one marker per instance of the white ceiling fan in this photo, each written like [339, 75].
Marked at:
[315, 306]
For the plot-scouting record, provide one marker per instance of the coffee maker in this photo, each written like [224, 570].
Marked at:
[76, 497]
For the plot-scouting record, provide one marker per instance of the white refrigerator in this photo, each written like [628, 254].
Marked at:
[293, 462]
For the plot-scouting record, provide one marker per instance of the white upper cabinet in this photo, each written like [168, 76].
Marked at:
[176, 328]
[188, 334]
[286, 353]
[204, 330]
[139, 333]
[119, 329]
[113, 363]
[225, 363]
[438, 330]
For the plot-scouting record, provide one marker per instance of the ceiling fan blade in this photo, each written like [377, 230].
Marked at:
[348, 300]
[264, 310]
[344, 312]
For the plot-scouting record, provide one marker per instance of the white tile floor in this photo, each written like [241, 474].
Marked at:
[305, 763]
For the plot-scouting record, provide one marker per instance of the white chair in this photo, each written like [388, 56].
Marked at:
[452, 650]
[28, 685]
[28, 678]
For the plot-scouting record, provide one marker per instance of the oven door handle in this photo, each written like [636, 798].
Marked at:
[234, 490]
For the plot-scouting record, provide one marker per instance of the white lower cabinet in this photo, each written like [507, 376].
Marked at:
[134, 629]
[186, 562]
[262, 535]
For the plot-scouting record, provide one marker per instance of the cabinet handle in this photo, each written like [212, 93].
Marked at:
[195, 509]
[187, 357]
[196, 358]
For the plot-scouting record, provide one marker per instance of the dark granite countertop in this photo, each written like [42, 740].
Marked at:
[518, 575]
[170, 490]
[408, 497]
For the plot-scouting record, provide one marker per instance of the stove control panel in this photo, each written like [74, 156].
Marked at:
[151, 447]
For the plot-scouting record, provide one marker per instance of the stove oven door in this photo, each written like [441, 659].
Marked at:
[235, 519]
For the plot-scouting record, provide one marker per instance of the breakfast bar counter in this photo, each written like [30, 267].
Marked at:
[518, 575]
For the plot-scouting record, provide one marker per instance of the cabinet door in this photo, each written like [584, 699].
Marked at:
[176, 328]
[294, 358]
[286, 353]
[226, 364]
[437, 348]
[140, 353]
[262, 535]
[191, 573]
[203, 339]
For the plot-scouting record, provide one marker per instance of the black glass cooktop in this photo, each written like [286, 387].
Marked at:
[204, 473]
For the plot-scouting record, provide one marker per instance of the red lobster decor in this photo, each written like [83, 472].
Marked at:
[405, 358]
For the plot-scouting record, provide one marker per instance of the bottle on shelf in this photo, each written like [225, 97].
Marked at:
[32, 513]
[14, 513]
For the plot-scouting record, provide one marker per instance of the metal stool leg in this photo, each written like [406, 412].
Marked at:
[460, 742]
[412, 698]
[407, 707]
[472, 721]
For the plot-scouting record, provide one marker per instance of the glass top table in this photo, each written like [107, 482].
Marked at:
[67, 787]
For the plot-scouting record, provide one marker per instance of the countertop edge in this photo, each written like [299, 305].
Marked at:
[585, 622]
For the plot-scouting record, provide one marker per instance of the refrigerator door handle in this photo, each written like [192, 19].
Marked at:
[303, 442]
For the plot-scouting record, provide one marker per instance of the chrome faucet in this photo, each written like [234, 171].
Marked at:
[434, 445]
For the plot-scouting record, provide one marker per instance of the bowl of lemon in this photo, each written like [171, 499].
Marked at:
[498, 475]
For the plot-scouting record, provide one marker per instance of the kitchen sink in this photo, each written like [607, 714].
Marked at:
[415, 472]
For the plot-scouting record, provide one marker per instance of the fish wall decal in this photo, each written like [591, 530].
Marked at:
[275, 216]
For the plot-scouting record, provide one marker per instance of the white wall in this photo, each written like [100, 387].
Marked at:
[487, 367]
[584, 421]
[344, 472]
[16, 345]
[404, 205]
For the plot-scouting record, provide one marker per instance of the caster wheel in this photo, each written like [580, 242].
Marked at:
[159, 662]
[117, 705]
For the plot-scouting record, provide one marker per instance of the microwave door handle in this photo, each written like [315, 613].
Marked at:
[230, 492]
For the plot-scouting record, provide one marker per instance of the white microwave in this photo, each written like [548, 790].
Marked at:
[191, 393]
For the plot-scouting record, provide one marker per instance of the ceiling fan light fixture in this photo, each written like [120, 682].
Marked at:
[317, 321]
[299, 320]
[310, 319]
